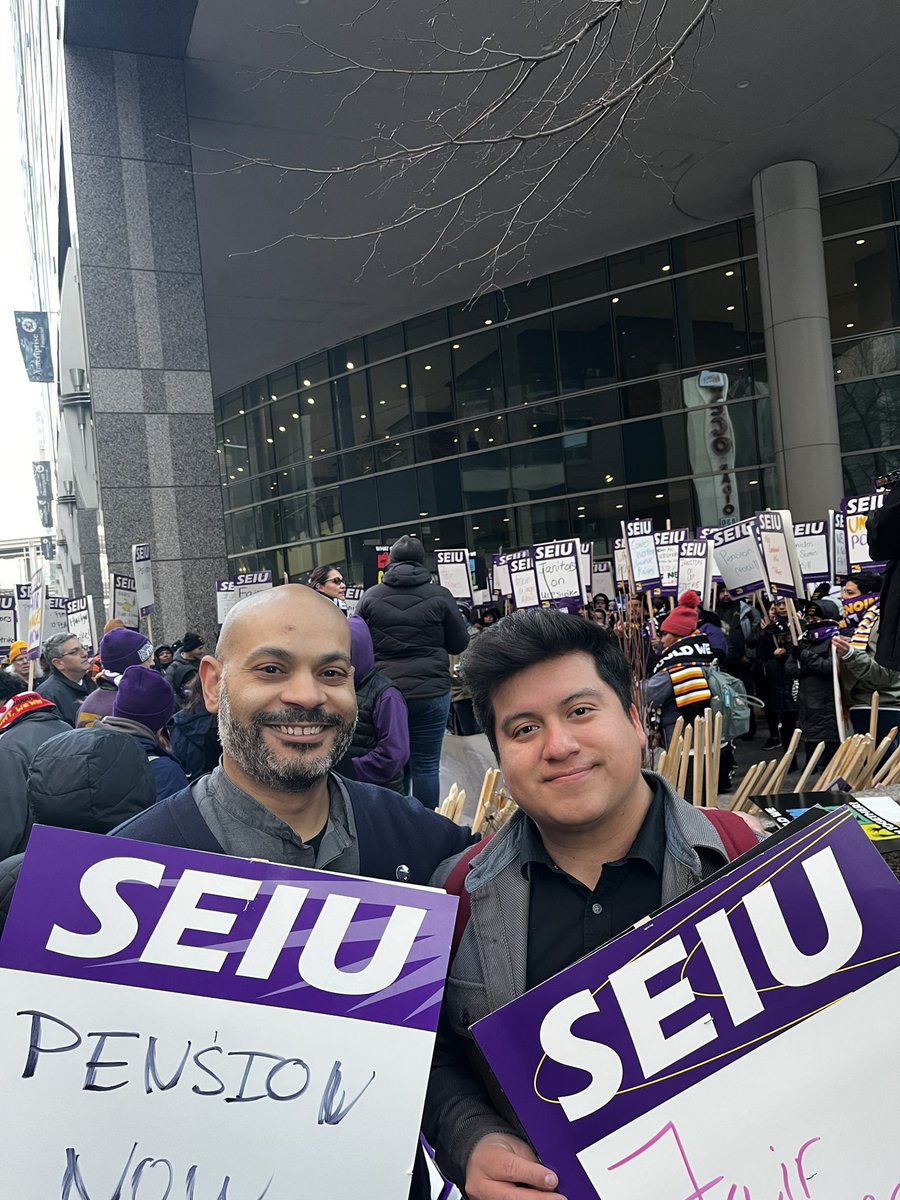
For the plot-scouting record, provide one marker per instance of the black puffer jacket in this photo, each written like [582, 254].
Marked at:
[810, 662]
[883, 530]
[415, 626]
[781, 688]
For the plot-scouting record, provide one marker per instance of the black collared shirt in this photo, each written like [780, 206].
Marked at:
[567, 920]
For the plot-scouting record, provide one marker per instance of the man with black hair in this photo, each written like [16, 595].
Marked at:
[596, 845]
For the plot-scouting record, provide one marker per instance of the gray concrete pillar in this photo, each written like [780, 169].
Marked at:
[145, 318]
[798, 338]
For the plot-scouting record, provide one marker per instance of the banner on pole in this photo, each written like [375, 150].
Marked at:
[123, 604]
[80, 615]
[453, 573]
[624, 1068]
[143, 578]
[174, 1020]
[33, 330]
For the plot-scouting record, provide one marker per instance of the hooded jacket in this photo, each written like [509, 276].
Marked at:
[380, 747]
[883, 532]
[167, 774]
[66, 695]
[19, 742]
[87, 779]
[415, 626]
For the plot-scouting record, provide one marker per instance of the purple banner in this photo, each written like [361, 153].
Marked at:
[147, 916]
[627, 1033]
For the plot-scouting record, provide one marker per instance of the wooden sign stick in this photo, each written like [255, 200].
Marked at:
[882, 748]
[777, 782]
[698, 761]
[711, 783]
[887, 768]
[810, 767]
[685, 761]
[747, 784]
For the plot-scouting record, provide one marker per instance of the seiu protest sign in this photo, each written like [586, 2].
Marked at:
[209, 1028]
[717, 1052]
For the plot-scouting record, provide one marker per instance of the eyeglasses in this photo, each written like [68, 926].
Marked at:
[77, 650]
[334, 579]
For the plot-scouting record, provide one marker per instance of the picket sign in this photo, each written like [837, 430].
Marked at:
[695, 570]
[454, 574]
[123, 604]
[813, 542]
[500, 577]
[523, 579]
[857, 510]
[640, 549]
[738, 558]
[143, 578]
[7, 620]
[37, 608]
[23, 604]
[782, 564]
[668, 543]
[175, 1023]
[649, 1068]
[352, 597]
[622, 566]
[602, 578]
[80, 618]
[837, 522]
[558, 571]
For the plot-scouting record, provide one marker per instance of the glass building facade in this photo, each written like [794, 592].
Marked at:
[561, 406]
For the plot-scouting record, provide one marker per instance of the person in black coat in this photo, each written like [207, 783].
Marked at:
[810, 662]
[415, 626]
[27, 720]
[781, 688]
[883, 532]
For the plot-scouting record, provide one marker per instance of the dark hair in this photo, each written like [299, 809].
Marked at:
[532, 636]
[320, 575]
[865, 582]
[10, 685]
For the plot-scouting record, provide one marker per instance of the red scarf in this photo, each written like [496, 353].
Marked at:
[21, 706]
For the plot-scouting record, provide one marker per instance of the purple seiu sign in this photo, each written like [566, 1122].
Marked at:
[699, 1055]
[222, 1019]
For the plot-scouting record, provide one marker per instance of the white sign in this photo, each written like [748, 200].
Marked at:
[143, 578]
[585, 551]
[738, 558]
[248, 583]
[7, 620]
[524, 580]
[556, 566]
[667, 543]
[622, 566]
[36, 610]
[80, 615]
[147, 1054]
[812, 540]
[695, 570]
[453, 573]
[225, 599]
[23, 603]
[602, 580]
[352, 597]
[838, 529]
[857, 510]
[776, 537]
[123, 600]
[56, 619]
[501, 582]
[640, 546]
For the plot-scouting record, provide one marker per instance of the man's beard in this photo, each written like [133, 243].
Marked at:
[244, 744]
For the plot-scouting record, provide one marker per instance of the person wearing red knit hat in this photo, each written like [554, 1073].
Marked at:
[679, 686]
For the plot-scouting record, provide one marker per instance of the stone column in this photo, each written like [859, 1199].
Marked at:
[798, 338]
[146, 328]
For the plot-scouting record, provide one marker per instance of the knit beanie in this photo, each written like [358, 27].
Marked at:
[682, 620]
[144, 696]
[408, 549]
[113, 623]
[16, 649]
[123, 648]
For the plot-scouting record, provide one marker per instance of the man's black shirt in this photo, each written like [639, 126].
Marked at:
[566, 920]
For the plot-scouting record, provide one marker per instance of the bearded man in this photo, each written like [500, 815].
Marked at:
[281, 682]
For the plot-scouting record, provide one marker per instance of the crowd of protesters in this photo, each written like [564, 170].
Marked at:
[312, 739]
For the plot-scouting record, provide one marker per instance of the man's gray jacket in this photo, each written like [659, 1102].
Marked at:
[489, 970]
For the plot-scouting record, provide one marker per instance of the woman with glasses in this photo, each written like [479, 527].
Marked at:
[330, 582]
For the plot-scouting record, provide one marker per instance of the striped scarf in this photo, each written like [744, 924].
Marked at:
[683, 662]
[859, 639]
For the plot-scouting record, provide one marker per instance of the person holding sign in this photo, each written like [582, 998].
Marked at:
[857, 646]
[596, 845]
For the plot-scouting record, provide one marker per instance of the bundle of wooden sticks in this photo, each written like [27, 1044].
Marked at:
[494, 806]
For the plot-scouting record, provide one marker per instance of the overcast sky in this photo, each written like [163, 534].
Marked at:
[20, 400]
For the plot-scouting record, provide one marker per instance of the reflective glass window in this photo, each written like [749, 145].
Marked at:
[591, 408]
[283, 383]
[271, 531]
[705, 247]
[260, 440]
[422, 331]
[866, 356]
[384, 344]
[861, 272]
[349, 357]
[593, 459]
[545, 521]
[436, 443]
[585, 348]
[861, 470]
[538, 420]
[398, 497]
[477, 378]
[229, 405]
[439, 489]
[753, 297]
[645, 331]
[237, 494]
[295, 519]
[312, 370]
[712, 323]
[658, 448]
[351, 398]
[490, 532]
[430, 375]
[390, 398]
[643, 265]
[317, 419]
[528, 361]
[299, 562]
[391, 453]
[449, 533]
[255, 394]
[662, 502]
[322, 471]
[856, 210]
[869, 413]
[486, 479]
[597, 519]
[474, 314]
[537, 469]
[287, 431]
[325, 513]
[481, 432]
[243, 532]
[580, 283]
[235, 454]
[523, 298]
[359, 504]
[331, 553]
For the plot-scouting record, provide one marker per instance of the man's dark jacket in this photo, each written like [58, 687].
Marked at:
[883, 530]
[66, 695]
[179, 673]
[18, 746]
[397, 837]
[415, 626]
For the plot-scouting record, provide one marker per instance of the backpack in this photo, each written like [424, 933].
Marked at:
[736, 836]
[729, 697]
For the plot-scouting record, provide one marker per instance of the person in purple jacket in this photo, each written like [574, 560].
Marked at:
[379, 751]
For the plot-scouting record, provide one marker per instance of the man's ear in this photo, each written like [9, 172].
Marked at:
[639, 725]
[210, 671]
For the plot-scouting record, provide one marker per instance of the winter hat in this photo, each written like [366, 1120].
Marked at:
[16, 649]
[682, 620]
[191, 641]
[824, 609]
[113, 623]
[408, 549]
[123, 648]
[146, 697]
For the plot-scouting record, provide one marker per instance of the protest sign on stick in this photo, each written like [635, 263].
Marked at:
[352, 597]
[624, 1068]
[812, 539]
[603, 581]
[80, 616]
[838, 529]
[640, 547]
[622, 567]
[8, 624]
[248, 583]
[737, 555]
[123, 604]
[56, 619]
[501, 582]
[225, 599]
[23, 604]
[695, 563]
[37, 608]
[668, 542]
[453, 573]
[523, 579]
[558, 570]
[776, 538]
[211, 1026]
[857, 510]
[142, 567]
